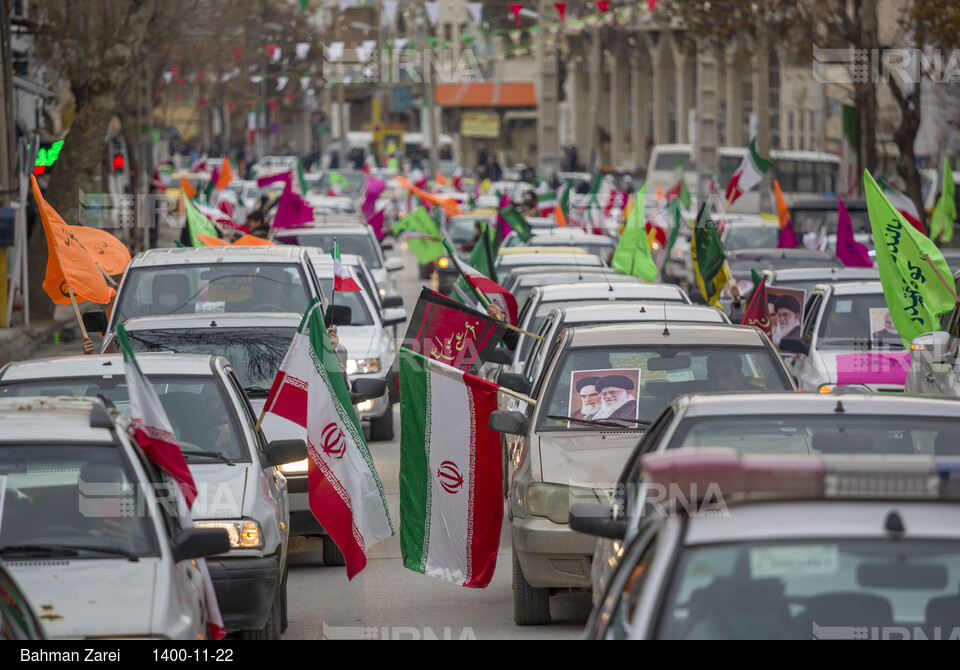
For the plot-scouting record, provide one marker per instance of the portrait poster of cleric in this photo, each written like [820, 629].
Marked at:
[603, 395]
[785, 306]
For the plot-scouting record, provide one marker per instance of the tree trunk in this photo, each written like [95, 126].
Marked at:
[905, 136]
[80, 164]
[866, 91]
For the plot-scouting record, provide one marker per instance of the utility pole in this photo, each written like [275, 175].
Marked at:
[7, 172]
[548, 137]
[707, 134]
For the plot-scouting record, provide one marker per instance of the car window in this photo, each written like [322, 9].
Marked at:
[628, 586]
[858, 320]
[82, 495]
[812, 588]
[215, 288]
[810, 312]
[359, 313]
[631, 386]
[361, 245]
[750, 237]
[202, 417]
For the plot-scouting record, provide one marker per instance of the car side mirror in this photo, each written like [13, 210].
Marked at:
[393, 316]
[386, 246]
[594, 519]
[931, 348]
[394, 264]
[95, 321]
[795, 345]
[500, 356]
[281, 452]
[515, 382]
[392, 301]
[367, 388]
[508, 422]
[193, 543]
[338, 315]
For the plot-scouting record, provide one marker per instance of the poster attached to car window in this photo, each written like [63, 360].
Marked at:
[785, 306]
[606, 396]
[882, 331]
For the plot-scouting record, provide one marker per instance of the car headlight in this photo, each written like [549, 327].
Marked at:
[362, 366]
[443, 262]
[553, 500]
[242, 534]
[294, 468]
[826, 388]
[383, 293]
[365, 406]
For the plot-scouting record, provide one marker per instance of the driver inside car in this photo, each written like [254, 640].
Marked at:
[270, 292]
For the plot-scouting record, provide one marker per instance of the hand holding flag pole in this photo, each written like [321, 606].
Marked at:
[76, 309]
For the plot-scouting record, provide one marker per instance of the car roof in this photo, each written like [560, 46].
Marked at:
[773, 403]
[224, 254]
[780, 253]
[681, 334]
[520, 251]
[66, 367]
[624, 311]
[338, 228]
[610, 290]
[55, 419]
[566, 276]
[204, 321]
[827, 274]
[854, 287]
[555, 239]
[830, 204]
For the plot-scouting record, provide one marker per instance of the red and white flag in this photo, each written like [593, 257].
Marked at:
[342, 281]
[345, 493]
[155, 435]
[902, 203]
[748, 175]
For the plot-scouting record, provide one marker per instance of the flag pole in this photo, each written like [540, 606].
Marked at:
[518, 396]
[76, 309]
[936, 271]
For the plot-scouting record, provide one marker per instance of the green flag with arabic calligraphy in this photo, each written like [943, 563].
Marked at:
[916, 296]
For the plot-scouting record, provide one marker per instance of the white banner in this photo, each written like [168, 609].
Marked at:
[303, 50]
[433, 12]
[334, 51]
[476, 10]
[390, 10]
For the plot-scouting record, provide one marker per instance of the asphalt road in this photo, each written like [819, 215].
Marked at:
[388, 601]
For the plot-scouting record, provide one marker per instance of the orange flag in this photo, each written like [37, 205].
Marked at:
[659, 192]
[441, 180]
[251, 241]
[226, 175]
[211, 241]
[560, 218]
[783, 212]
[187, 189]
[108, 252]
[69, 262]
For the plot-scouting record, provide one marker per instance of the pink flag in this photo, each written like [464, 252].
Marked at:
[376, 222]
[292, 210]
[788, 237]
[849, 251]
[505, 228]
[285, 177]
[374, 188]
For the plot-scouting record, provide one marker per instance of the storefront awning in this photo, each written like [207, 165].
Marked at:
[486, 94]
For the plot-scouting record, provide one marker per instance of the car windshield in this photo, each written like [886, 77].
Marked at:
[462, 230]
[359, 313]
[814, 589]
[750, 237]
[782, 262]
[78, 500]
[637, 383]
[254, 353]
[598, 246]
[669, 160]
[215, 288]
[822, 434]
[202, 416]
[810, 220]
[362, 245]
[858, 320]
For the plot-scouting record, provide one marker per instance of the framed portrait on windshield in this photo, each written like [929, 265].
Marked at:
[608, 395]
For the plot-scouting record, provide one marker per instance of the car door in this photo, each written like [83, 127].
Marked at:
[802, 366]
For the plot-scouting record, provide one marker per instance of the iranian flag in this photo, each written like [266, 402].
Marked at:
[345, 493]
[902, 203]
[154, 434]
[547, 202]
[479, 283]
[451, 499]
[748, 175]
[342, 281]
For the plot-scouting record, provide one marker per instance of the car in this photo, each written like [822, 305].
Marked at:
[807, 217]
[777, 423]
[324, 205]
[600, 245]
[804, 279]
[846, 337]
[544, 298]
[952, 257]
[753, 546]
[355, 179]
[367, 340]
[523, 280]
[269, 165]
[743, 262]
[240, 487]
[561, 456]
[934, 358]
[357, 239]
[509, 260]
[88, 533]
[211, 280]
[743, 231]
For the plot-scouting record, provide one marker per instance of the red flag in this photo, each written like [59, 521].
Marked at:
[602, 5]
[376, 222]
[849, 251]
[757, 312]
[561, 10]
[515, 8]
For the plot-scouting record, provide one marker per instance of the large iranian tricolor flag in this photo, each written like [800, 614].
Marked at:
[748, 175]
[451, 498]
[343, 487]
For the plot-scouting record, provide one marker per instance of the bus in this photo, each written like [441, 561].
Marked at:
[801, 174]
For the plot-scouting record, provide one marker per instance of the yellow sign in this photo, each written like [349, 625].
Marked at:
[480, 124]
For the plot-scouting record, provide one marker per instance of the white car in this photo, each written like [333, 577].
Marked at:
[843, 341]
[240, 487]
[84, 532]
[936, 366]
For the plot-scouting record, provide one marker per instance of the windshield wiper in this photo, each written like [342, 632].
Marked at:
[209, 454]
[68, 549]
[594, 422]
[256, 391]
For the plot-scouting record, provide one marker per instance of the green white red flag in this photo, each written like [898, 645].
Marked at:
[748, 175]
[342, 281]
[345, 493]
[451, 499]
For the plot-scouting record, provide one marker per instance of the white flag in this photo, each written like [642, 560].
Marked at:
[433, 12]
[303, 50]
[334, 51]
[476, 10]
[390, 10]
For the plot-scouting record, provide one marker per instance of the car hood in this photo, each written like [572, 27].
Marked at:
[89, 597]
[591, 459]
[886, 368]
[361, 341]
[220, 490]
